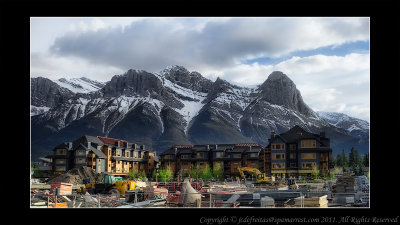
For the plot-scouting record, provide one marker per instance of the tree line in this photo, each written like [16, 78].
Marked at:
[354, 161]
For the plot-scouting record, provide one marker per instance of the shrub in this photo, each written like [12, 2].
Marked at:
[166, 174]
[217, 172]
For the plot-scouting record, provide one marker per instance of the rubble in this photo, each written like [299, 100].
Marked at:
[76, 176]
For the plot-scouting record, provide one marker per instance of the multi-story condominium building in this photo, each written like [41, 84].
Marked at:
[296, 152]
[181, 158]
[109, 155]
[291, 154]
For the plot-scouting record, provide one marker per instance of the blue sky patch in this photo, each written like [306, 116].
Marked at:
[341, 50]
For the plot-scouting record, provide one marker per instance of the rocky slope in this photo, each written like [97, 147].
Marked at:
[176, 106]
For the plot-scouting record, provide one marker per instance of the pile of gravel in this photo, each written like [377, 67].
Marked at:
[76, 175]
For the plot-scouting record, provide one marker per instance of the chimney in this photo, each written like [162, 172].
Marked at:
[272, 134]
[69, 145]
[250, 148]
[89, 144]
[176, 150]
[208, 147]
[216, 147]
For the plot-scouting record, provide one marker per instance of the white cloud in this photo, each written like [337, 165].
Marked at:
[327, 83]
[102, 47]
[56, 67]
[153, 43]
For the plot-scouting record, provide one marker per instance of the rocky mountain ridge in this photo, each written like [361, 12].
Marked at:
[176, 106]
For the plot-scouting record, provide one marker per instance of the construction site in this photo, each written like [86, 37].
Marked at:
[84, 188]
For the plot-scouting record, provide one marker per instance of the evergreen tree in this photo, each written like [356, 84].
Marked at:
[366, 160]
[339, 160]
[344, 159]
[352, 161]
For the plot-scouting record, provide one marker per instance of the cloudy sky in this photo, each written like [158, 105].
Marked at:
[327, 58]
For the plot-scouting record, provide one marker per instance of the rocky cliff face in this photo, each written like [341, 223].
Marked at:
[45, 92]
[279, 89]
[176, 106]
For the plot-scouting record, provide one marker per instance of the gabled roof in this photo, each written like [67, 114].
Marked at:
[185, 151]
[182, 146]
[62, 146]
[85, 139]
[297, 133]
[255, 149]
[170, 151]
[97, 152]
[111, 141]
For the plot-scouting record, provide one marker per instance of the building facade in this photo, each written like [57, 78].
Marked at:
[296, 152]
[291, 154]
[103, 154]
[182, 158]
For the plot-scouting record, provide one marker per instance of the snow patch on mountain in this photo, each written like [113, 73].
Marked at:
[344, 121]
[79, 85]
[35, 110]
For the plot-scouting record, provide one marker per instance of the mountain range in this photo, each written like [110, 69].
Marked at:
[176, 106]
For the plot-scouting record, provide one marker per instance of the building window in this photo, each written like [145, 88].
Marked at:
[292, 147]
[80, 152]
[200, 155]
[219, 155]
[278, 156]
[60, 168]
[60, 161]
[278, 146]
[184, 156]
[292, 156]
[253, 155]
[237, 156]
[308, 165]
[167, 156]
[278, 165]
[80, 160]
[308, 155]
[308, 143]
[61, 152]
[118, 152]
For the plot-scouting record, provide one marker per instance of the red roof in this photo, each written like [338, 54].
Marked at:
[111, 141]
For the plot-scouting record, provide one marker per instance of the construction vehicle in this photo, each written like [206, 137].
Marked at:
[108, 184]
[261, 177]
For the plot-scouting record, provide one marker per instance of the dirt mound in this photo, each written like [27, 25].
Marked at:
[76, 175]
[344, 183]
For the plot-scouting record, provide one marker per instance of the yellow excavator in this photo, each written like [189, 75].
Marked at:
[109, 184]
[261, 177]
